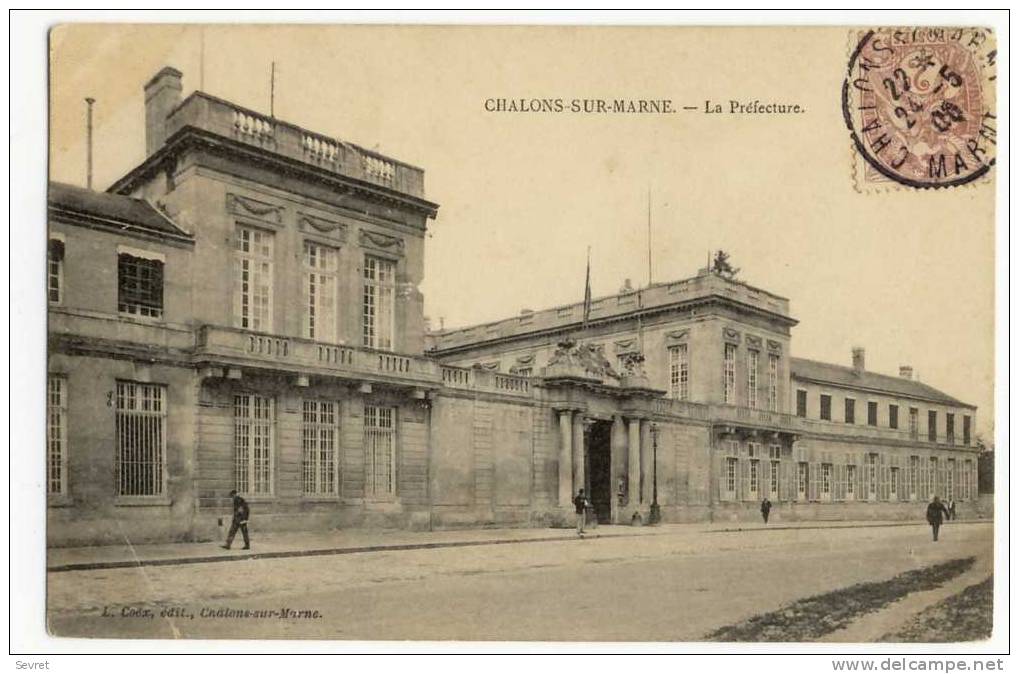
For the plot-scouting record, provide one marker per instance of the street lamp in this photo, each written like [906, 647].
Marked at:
[655, 516]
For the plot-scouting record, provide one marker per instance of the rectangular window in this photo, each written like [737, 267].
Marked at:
[871, 413]
[753, 358]
[893, 416]
[950, 428]
[755, 478]
[871, 475]
[55, 271]
[850, 482]
[965, 429]
[932, 477]
[319, 292]
[679, 372]
[826, 472]
[380, 451]
[850, 412]
[802, 473]
[825, 407]
[932, 426]
[801, 403]
[56, 435]
[377, 309]
[967, 480]
[893, 484]
[141, 439]
[950, 479]
[773, 481]
[730, 476]
[139, 286]
[253, 269]
[773, 382]
[729, 374]
[913, 478]
[254, 428]
[319, 433]
[914, 423]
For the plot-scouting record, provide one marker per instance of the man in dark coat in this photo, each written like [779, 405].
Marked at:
[240, 521]
[765, 509]
[580, 503]
[936, 514]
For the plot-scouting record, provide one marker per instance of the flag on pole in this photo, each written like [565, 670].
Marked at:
[587, 289]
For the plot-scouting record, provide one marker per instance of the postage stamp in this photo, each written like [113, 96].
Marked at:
[920, 106]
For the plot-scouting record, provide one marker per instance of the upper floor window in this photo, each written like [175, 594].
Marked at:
[932, 426]
[773, 382]
[729, 374]
[826, 407]
[914, 422]
[850, 412]
[319, 292]
[55, 271]
[893, 416]
[56, 435]
[253, 265]
[965, 429]
[753, 358]
[950, 428]
[141, 439]
[871, 413]
[139, 283]
[378, 307]
[801, 403]
[679, 372]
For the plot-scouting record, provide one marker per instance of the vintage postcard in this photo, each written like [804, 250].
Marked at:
[521, 333]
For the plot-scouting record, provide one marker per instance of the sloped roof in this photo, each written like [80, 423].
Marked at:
[846, 376]
[113, 208]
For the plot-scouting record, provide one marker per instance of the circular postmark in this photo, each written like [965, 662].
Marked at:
[919, 104]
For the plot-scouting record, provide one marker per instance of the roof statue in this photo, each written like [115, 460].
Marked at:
[722, 266]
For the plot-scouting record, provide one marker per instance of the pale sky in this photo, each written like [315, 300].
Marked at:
[907, 274]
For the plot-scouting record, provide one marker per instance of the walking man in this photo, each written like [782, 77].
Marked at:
[765, 509]
[580, 503]
[936, 514]
[240, 520]
[951, 509]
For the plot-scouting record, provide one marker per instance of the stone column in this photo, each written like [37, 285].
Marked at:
[579, 454]
[565, 459]
[618, 471]
[645, 461]
[633, 457]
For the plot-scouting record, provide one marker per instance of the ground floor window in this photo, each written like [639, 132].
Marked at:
[380, 451]
[950, 479]
[254, 420]
[893, 484]
[730, 476]
[754, 479]
[56, 435]
[802, 474]
[913, 477]
[850, 482]
[932, 478]
[773, 481]
[141, 439]
[319, 432]
[826, 471]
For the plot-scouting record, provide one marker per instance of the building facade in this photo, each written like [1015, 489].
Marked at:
[242, 311]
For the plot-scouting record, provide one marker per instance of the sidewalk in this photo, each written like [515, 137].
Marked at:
[351, 541]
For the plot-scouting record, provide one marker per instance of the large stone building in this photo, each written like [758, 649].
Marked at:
[241, 310]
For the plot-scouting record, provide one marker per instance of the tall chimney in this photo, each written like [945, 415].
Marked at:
[88, 142]
[162, 94]
[858, 359]
[906, 371]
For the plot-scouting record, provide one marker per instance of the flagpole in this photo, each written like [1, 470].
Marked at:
[649, 235]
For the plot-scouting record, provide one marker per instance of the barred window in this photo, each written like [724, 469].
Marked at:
[913, 477]
[893, 483]
[56, 435]
[378, 307]
[319, 292]
[55, 271]
[753, 358]
[773, 382]
[254, 425]
[141, 439]
[774, 479]
[319, 432]
[679, 372]
[802, 473]
[253, 270]
[871, 475]
[380, 451]
[826, 471]
[730, 476]
[950, 480]
[729, 374]
[139, 285]
[850, 481]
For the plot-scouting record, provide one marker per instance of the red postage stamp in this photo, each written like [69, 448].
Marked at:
[920, 105]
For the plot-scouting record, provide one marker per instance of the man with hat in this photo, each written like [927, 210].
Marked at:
[240, 520]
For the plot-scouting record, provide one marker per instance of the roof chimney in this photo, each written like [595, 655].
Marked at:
[906, 371]
[162, 94]
[858, 359]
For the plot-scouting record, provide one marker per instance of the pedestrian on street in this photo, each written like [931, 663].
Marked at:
[765, 509]
[936, 514]
[951, 509]
[240, 520]
[580, 503]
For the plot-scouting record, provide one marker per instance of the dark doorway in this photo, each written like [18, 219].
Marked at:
[599, 469]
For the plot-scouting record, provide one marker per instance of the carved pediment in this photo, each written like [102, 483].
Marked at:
[677, 336]
[525, 360]
[490, 367]
[730, 335]
[381, 241]
[315, 223]
[754, 341]
[774, 346]
[253, 208]
[626, 345]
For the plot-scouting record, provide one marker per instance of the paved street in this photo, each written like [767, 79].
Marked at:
[676, 585]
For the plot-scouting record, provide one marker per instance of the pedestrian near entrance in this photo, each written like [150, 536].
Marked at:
[240, 520]
[580, 504]
[936, 514]
[951, 509]
[765, 509]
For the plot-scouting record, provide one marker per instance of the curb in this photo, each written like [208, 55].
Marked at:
[865, 525]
